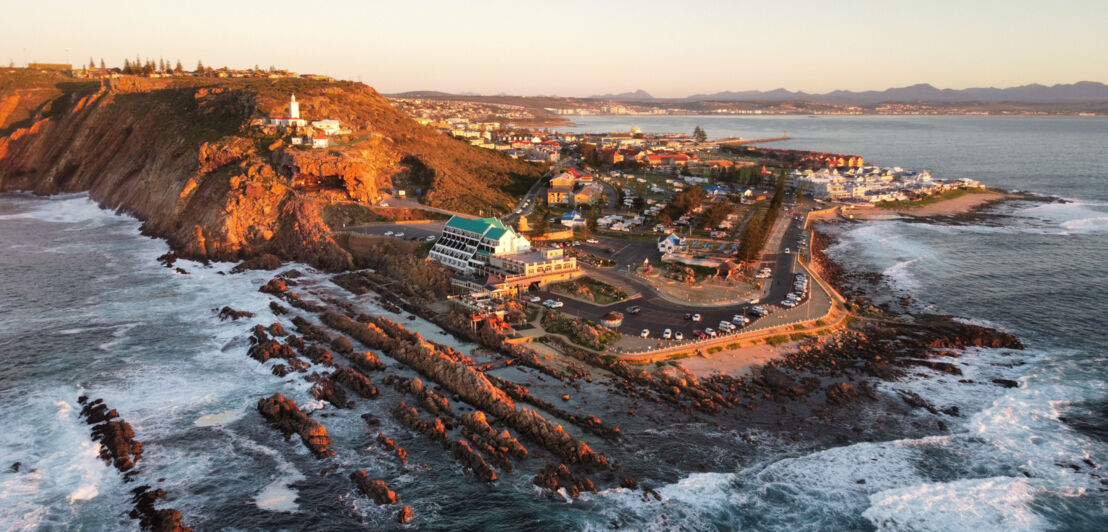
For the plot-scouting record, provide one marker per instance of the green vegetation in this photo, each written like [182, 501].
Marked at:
[948, 195]
[579, 331]
[699, 135]
[590, 289]
[754, 235]
[777, 340]
[715, 349]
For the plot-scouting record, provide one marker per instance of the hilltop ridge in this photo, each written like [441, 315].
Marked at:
[188, 158]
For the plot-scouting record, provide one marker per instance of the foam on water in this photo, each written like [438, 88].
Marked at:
[999, 504]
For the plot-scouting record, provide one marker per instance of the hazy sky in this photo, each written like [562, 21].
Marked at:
[570, 48]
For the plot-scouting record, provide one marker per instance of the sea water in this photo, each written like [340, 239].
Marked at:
[85, 309]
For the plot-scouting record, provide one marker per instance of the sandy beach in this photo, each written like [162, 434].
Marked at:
[736, 362]
[963, 204]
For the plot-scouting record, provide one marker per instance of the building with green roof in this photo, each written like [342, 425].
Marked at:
[466, 244]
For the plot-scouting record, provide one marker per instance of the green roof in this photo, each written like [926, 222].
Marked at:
[490, 227]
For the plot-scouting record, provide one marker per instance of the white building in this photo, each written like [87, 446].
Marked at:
[327, 127]
[466, 245]
[293, 119]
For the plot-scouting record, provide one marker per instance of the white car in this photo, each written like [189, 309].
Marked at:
[696, 317]
[787, 251]
[645, 333]
[399, 235]
[557, 304]
[549, 303]
[726, 326]
[430, 238]
[388, 233]
[710, 331]
[667, 334]
[536, 299]
[678, 336]
[788, 303]
[592, 241]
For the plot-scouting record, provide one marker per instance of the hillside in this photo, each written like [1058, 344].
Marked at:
[187, 156]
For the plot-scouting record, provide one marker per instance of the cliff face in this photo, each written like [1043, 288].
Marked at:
[185, 158]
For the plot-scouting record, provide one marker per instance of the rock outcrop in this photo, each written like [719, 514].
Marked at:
[376, 490]
[191, 161]
[283, 414]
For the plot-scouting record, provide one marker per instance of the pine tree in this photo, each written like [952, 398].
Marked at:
[178, 69]
[199, 67]
[126, 66]
[699, 135]
[91, 64]
[102, 67]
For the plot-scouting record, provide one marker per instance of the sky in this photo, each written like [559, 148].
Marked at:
[578, 48]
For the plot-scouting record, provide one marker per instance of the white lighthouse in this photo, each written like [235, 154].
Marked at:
[294, 107]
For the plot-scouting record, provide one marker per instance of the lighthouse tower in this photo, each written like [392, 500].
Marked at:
[294, 107]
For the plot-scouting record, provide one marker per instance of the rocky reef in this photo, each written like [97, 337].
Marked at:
[284, 414]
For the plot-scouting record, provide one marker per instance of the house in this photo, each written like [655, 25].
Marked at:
[572, 219]
[320, 141]
[327, 127]
[558, 195]
[588, 195]
[670, 243]
[564, 179]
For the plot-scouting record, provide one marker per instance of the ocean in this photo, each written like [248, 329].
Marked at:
[85, 309]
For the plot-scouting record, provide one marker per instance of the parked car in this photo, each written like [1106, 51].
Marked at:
[557, 304]
[388, 233]
[667, 334]
[645, 333]
[592, 241]
[688, 315]
[549, 303]
[678, 336]
[399, 235]
[634, 310]
[726, 326]
[430, 238]
[710, 331]
[696, 317]
[698, 334]
[536, 299]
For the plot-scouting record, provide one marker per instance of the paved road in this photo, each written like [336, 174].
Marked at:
[657, 313]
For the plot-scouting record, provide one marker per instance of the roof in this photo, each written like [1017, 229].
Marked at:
[489, 227]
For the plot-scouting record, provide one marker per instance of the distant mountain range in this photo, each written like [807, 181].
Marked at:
[1080, 92]
[624, 96]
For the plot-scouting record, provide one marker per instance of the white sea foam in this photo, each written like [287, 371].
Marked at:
[983, 505]
[219, 419]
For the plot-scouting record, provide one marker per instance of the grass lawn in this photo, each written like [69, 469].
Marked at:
[948, 195]
[590, 289]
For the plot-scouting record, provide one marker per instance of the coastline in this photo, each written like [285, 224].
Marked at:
[963, 205]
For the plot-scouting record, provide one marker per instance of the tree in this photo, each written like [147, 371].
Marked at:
[178, 69]
[199, 67]
[699, 135]
[592, 219]
[542, 221]
[102, 67]
[91, 64]
[126, 66]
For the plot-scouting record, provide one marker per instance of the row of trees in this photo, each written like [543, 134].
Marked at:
[754, 235]
[138, 66]
[746, 175]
